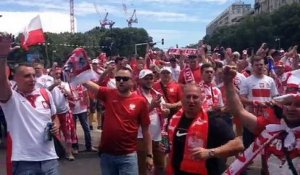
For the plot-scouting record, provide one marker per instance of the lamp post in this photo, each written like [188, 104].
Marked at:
[277, 39]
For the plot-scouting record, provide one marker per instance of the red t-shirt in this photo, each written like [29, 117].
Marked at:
[123, 116]
[196, 73]
[173, 89]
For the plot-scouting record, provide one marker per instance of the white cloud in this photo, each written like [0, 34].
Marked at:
[15, 22]
[168, 16]
[183, 1]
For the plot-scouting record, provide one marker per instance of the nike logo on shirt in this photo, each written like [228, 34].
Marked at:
[178, 134]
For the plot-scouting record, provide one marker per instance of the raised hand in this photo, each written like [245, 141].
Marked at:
[228, 74]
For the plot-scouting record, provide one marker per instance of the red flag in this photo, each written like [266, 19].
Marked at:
[77, 68]
[33, 33]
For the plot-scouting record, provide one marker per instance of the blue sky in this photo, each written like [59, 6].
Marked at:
[179, 22]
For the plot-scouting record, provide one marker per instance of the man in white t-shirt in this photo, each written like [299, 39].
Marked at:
[256, 92]
[28, 111]
[42, 80]
[79, 107]
[156, 113]
[175, 68]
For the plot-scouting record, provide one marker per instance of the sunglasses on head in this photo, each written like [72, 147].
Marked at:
[122, 78]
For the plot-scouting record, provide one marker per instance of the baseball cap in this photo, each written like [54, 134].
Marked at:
[95, 61]
[144, 73]
[166, 69]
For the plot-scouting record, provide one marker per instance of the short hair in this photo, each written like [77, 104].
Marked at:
[256, 58]
[119, 59]
[38, 63]
[206, 65]
[20, 65]
[191, 85]
[126, 69]
[218, 64]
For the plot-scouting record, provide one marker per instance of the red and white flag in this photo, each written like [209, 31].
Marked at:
[77, 68]
[33, 33]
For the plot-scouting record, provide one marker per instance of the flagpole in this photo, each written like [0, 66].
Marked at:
[46, 51]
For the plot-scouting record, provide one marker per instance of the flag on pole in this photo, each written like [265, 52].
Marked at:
[77, 68]
[33, 33]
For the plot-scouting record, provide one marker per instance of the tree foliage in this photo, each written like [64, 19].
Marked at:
[114, 42]
[278, 29]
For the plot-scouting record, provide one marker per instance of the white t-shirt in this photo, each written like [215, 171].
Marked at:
[44, 81]
[238, 79]
[154, 127]
[259, 89]
[26, 126]
[60, 101]
[175, 72]
[80, 100]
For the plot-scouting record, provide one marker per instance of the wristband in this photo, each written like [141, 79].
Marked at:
[211, 153]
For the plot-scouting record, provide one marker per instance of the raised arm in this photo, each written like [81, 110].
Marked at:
[236, 107]
[6, 91]
[92, 87]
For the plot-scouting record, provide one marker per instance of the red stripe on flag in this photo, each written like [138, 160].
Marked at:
[261, 92]
[35, 37]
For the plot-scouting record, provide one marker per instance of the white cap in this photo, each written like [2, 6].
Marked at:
[166, 69]
[110, 62]
[95, 61]
[144, 73]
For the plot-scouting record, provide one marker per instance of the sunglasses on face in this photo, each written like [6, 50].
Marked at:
[122, 78]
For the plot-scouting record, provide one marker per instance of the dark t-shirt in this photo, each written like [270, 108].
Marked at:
[219, 133]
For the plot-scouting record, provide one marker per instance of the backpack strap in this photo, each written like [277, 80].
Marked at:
[45, 95]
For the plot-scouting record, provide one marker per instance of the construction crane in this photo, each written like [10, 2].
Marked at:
[105, 22]
[72, 16]
[132, 19]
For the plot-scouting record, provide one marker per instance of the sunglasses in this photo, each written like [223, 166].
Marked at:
[122, 78]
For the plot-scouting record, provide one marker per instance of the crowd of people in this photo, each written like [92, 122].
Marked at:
[159, 114]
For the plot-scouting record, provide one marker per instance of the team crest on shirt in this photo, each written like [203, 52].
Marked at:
[45, 105]
[261, 85]
[132, 107]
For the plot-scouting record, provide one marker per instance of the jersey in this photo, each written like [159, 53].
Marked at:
[26, 122]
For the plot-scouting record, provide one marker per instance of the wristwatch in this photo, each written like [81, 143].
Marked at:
[211, 153]
[150, 156]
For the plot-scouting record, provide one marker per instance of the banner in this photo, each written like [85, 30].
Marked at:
[183, 51]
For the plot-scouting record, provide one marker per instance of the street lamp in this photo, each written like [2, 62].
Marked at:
[278, 39]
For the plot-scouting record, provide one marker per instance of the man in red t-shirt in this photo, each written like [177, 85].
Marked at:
[170, 89]
[191, 73]
[125, 112]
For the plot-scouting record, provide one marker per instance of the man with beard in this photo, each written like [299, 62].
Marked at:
[156, 114]
[125, 112]
[277, 140]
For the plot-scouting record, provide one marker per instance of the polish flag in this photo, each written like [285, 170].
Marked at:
[33, 33]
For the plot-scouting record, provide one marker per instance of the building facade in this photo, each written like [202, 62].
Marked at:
[228, 16]
[268, 6]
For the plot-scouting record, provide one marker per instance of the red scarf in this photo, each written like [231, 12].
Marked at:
[196, 137]
[271, 132]
[188, 75]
